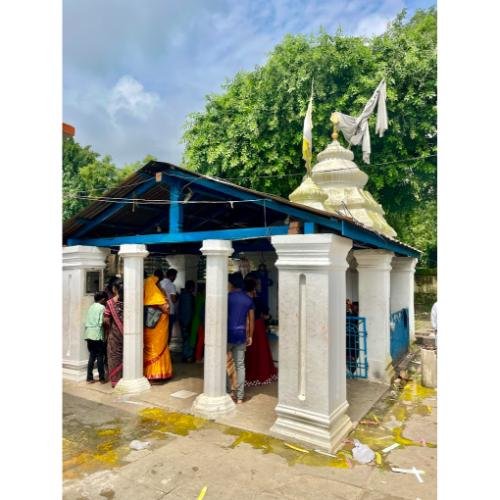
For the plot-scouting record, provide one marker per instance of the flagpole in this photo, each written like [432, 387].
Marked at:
[308, 158]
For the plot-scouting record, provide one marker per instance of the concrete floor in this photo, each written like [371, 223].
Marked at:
[187, 454]
[256, 415]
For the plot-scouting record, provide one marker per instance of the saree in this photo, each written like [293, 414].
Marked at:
[113, 320]
[197, 338]
[199, 307]
[157, 362]
[259, 365]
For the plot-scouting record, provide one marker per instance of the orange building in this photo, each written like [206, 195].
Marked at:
[68, 130]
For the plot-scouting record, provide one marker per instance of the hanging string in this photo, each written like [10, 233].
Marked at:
[139, 201]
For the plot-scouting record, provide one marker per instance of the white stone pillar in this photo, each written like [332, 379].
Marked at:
[374, 267]
[214, 401]
[133, 380]
[77, 262]
[312, 401]
[403, 288]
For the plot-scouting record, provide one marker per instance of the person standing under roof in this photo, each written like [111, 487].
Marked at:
[259, 365]
[239, 337]
[197, 338]
[157, 362]
[94, 335]
[168, 287]
[113, 325]
[185, 311]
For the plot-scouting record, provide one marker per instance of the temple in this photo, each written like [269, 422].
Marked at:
[344, 249]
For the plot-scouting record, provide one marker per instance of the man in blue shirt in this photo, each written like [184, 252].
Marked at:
[240, 307]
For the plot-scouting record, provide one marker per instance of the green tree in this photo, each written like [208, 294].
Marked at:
[75, 157]
[254, 128]
[86, 174]
[131, 168]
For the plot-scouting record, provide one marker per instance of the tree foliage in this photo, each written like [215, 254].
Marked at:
[252, 132]
[85, 173]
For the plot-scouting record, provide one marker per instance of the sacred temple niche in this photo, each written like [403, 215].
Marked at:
[336, 175]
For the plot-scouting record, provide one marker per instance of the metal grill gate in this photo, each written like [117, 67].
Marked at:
[400, 334]
[356, 352]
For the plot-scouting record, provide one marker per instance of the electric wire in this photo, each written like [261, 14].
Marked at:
[78, 194]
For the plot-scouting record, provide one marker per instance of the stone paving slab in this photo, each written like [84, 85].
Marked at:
[107, 484]
[179, 466]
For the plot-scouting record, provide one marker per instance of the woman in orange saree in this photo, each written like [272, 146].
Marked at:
[157, 362]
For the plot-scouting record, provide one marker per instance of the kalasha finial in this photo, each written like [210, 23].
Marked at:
[335, 119]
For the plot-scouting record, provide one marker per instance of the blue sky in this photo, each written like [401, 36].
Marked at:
[134, 69]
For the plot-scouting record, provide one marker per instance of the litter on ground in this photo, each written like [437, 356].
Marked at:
[296, 448]
[325, 453]
[183, 394]
[139, 445]
[362, 453]
[390, 448]
[413, 470]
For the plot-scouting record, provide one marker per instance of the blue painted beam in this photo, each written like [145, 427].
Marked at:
[113, 209]
[344, 227]
[175, 209]
[158, 238]
[362, 235]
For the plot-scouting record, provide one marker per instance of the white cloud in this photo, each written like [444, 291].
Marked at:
[375, 17]
[374, 24]
[178, 52]
[129, 96]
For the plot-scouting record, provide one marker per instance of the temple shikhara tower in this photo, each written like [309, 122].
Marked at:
[337, 185]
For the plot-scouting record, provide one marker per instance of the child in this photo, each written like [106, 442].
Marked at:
[94, 335]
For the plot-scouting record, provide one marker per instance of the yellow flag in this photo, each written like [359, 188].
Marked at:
[307, 136]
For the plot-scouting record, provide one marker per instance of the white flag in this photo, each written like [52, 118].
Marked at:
[355, 129]
[307, 135]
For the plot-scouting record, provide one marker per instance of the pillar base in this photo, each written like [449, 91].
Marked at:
[212, 407]
[312, 428]
[75, 371]
[132, 386]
